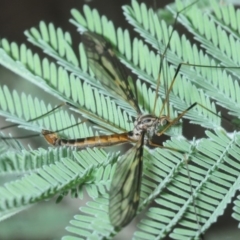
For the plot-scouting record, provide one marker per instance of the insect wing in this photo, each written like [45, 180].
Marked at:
[125, 186]
[107, 67]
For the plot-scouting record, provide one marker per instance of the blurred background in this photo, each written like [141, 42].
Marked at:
[47, 220]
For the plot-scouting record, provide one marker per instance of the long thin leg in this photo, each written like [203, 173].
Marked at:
[36, 118]
[161, 63]
[32, 120]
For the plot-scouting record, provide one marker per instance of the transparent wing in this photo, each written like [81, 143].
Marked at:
[125, 186]
[107, 67]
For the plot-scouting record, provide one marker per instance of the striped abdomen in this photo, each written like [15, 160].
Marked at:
[95, 141]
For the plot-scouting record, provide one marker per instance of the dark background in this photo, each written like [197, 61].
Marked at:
[47, 220]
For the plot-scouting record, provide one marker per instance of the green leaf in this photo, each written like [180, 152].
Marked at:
[212, 162]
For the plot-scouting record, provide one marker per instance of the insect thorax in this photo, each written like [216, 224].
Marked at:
[148, 123]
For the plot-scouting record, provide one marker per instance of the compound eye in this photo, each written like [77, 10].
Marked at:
[145, 121]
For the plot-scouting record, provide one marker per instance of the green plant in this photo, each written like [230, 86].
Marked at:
[213, 161]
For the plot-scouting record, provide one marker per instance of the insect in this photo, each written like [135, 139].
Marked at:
[125, 187]
[152, 124]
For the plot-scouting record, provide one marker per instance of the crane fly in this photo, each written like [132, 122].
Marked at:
[125, 187]
[124, 193]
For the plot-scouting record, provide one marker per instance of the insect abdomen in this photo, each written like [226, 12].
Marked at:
[95, 141]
